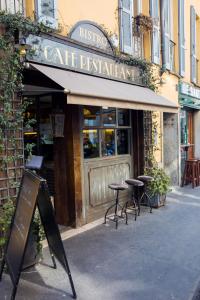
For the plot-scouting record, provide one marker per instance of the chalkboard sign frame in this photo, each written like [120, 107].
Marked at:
[41, 199]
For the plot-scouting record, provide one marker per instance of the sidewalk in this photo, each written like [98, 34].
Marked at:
[155, 258]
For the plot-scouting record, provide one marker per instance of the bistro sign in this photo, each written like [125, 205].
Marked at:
[91, 34]
[62, 54]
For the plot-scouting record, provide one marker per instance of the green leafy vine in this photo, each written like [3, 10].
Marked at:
[12, 108]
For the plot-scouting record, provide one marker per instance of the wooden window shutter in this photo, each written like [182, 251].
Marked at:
[154, 12]
[11, 6]
[126, 26]
[167, 31]
[193, 43]
[181, 23]
[47, 12]
[139, 7]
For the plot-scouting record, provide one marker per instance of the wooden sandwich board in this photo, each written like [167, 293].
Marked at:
[33, 193]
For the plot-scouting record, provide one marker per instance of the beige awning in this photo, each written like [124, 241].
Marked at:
[90, 90]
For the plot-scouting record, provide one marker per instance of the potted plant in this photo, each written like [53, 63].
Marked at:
[159, 187]
[34, 245]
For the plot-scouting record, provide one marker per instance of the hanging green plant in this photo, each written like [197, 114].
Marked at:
[142, 23]
[146, 71]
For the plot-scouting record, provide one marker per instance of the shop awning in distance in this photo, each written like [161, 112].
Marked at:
[90, 90]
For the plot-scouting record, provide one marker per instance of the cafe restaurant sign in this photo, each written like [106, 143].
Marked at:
[67, 55]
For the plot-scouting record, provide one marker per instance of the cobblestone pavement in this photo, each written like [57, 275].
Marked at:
[155, 258]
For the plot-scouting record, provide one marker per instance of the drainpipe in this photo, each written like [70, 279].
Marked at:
[162, 23]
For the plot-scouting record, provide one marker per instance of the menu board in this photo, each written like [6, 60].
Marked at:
[33, 191]
[21, 223]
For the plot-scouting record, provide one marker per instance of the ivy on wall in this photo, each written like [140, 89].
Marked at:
[146, 71]
[12, 28]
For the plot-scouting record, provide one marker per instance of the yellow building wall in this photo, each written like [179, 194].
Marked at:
[69, 12]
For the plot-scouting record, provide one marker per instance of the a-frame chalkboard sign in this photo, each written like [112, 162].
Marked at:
[33, 192]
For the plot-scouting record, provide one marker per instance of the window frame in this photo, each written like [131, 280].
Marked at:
[102, 127]
[47, 21]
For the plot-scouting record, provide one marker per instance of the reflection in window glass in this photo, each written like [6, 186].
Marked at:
[109, 117]
[122, 141]
[90, 143]
[108, 142]
[123, 117]
[91, 116]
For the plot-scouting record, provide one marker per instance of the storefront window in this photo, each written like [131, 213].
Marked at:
[108, 142]
[122, 141]
[102, 132]
[91, 115]
[123, 117]
[90, 143]
[109, 117]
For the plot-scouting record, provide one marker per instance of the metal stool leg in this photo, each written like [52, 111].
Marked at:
[116, 216]
[145, 195]
[113, 205]
[116, 209]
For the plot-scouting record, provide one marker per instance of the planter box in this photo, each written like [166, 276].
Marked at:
[158, 200]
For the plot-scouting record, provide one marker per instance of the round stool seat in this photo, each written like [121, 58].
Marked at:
[118, 186]
[145, 178]
[192, 160]
[134, 182]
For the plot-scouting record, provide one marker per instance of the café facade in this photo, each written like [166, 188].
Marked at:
[89, 109]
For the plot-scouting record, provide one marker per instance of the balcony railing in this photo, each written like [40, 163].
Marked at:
[172, 56]
[12, 6]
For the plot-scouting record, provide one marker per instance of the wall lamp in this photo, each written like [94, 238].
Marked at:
[22, 47]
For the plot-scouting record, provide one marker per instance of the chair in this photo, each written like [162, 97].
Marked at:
[116, 187]
[145, 179]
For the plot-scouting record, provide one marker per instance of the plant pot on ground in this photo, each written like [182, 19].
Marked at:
[159, 187]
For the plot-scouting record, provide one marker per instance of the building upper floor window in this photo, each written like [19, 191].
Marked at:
[130, 41]
[167, 34]
[46, 10]
[12, 6]
[193, 44]
[181, 25]
[126, 34]
[154, 12]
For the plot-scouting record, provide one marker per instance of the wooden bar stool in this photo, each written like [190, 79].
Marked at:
[116, 206]
[191, 173]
